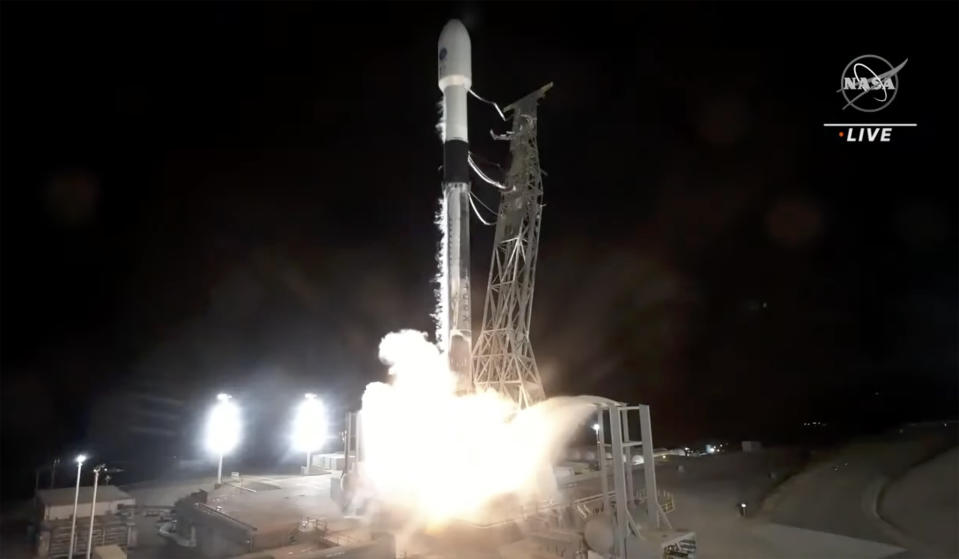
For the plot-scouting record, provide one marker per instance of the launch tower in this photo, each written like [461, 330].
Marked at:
[503, 358]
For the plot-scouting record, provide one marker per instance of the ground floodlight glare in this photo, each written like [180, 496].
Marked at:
[81, 458]
[223, 426]
[596, 427]
[309, 425]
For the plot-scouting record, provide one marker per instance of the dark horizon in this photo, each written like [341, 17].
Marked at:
[240, 197]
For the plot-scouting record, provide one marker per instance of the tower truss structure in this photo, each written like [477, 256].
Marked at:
[503, 358]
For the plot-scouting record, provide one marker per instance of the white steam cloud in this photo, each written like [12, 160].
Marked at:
[440, 456]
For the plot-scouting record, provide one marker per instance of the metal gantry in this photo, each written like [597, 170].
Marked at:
[624, 492]
[623, 535]
[503, 358]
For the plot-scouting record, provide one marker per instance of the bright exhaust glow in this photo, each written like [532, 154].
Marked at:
[223, 426]
[309, 425]
[440, 456]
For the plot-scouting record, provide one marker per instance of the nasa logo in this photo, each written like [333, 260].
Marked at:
[443, 53]
[866, 90]
[868, 84]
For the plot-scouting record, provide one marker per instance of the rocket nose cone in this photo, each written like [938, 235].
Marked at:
[453, 55]
[454, 34]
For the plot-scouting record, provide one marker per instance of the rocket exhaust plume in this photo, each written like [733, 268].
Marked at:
[437, 455]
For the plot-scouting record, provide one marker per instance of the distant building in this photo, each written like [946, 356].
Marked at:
[112, 523]
[57, 504]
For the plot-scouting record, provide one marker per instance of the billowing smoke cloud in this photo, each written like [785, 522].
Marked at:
[439, 456]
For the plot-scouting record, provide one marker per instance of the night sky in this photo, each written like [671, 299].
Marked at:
[209, 196]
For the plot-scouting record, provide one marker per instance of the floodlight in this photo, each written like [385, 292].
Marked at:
[309, 424]
[223, 426]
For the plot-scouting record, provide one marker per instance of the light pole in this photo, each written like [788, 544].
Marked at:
[219, 469]
[223, 430]
[93, 508]
[76, 499]
[309, 426]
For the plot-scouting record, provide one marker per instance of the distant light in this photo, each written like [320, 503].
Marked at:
[710, 449]
[596, 427]
[309, 425]
[81, 458]
[223, 426]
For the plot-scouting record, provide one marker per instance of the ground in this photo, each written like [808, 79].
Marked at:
[836, 506]
[922, 504]
[887, 497]
[266, 501]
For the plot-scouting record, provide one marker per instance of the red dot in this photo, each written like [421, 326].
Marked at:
[841, 134]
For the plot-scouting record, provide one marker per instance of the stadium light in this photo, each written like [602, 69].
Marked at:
[93, 508]
[309, 426]
[223, 430]
[80, 459]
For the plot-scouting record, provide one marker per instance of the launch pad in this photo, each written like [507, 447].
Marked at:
[487, 484]
[603, 510]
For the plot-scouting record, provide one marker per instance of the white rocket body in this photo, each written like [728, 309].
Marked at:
[455, 79]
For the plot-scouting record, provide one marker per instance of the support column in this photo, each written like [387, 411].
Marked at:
[649, 466]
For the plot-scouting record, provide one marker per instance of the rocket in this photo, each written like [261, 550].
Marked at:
[455, 80]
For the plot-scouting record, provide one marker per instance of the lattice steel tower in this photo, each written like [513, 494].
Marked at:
[503, 357]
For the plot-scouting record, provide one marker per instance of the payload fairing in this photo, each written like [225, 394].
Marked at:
[455, 80]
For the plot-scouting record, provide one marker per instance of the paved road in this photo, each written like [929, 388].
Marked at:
[839, 495]
[923, 503]
[826, 511]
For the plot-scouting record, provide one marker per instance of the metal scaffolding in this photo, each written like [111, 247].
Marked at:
[503, 358]
[623, 534]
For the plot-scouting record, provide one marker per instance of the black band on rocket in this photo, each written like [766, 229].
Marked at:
[455, 166]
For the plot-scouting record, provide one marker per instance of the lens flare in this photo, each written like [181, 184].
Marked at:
[442, 456]
[309, 425]
[223, 426]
